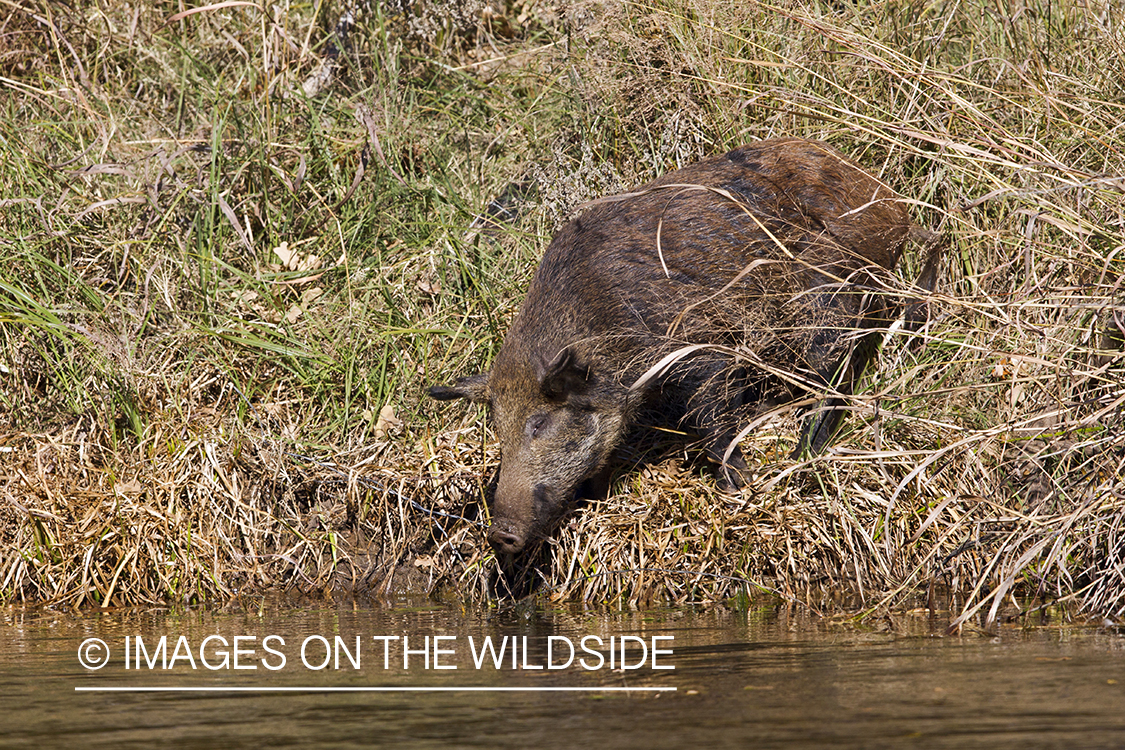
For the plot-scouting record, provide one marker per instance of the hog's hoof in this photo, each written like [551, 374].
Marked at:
[730, 476]
[729, 479]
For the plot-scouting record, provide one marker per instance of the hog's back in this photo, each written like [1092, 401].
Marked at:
[774, 249]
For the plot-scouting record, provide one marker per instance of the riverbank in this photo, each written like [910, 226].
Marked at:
[237, 243]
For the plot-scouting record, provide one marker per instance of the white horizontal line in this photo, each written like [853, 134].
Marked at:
[408, 689]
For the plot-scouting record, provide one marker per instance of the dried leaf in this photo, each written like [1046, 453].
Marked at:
[132, 487]
[429, 286]
[386, 422]
[295, 260]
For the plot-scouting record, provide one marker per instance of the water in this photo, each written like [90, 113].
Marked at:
[752, 678]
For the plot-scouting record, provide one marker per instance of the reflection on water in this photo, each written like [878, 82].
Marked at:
[741, 678]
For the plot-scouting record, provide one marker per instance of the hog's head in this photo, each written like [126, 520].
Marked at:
[557, 422]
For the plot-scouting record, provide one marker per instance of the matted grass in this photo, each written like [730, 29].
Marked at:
[236, 244]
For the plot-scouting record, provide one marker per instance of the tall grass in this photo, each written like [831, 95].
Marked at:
[236, 243]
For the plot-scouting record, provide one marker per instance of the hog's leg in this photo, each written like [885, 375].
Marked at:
[716, 394]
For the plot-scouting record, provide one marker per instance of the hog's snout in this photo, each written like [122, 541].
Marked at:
[518, 520]
[505, 538]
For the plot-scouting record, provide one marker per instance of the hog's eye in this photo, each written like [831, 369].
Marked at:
[535, 424]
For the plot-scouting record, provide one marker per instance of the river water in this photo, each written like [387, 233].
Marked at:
[421, 675]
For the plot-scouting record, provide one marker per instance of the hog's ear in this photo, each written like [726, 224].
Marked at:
[563, 376]
[474, 388]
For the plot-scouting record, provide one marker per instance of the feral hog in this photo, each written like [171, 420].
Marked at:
[720, 289]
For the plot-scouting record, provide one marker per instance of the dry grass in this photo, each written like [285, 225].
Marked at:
[188, 414]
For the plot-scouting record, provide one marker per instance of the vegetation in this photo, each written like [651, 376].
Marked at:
[237, 240]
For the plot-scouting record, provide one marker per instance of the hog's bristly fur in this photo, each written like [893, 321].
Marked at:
[755, 278]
